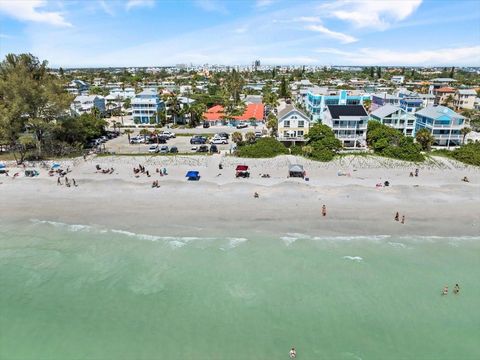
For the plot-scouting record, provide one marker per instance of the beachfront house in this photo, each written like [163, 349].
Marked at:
[318, 99]
[438, 83]
[293, 125]
[349, 123]
[84, 104]
[443, 123]
[77, 87]
[146, 107]
[464, 99]
[396, 117]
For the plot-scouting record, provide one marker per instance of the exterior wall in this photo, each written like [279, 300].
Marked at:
[445, 129]
[145, 107]
[350, 130]
[379, 101]
[464, 101]
[399, 120]
[293, 126]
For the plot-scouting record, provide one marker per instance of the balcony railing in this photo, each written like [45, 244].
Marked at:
[291, 138]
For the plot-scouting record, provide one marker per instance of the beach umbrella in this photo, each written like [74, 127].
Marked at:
[55, 166]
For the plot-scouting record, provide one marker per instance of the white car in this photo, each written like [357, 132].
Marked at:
[153, 149]
[168, 134]
[218, 141]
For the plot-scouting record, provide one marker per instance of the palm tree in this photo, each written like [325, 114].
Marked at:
[465, 131]
[425, 139]
[448, 101]
[250, 137]
[272, 124]
[144, 132]
[128, 132]
[237, 137]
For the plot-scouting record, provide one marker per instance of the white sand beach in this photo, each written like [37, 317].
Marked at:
[435, 203]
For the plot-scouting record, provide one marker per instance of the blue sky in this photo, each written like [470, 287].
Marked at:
[156, 32]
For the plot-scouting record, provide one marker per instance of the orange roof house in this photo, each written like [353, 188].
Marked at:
[252, 111]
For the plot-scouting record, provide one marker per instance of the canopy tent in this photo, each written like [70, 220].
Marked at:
[55, 166]
[193, 175]
[296, 171]
[2, 166]
[241, 168]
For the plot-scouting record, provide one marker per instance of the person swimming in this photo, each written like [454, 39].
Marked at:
[456, 289]
[293, 353]
[445, 290]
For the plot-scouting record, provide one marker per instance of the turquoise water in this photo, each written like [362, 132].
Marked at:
[74, 292]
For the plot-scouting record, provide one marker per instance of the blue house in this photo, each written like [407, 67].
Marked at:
[317, 101]
[443, 123]
[145, 107]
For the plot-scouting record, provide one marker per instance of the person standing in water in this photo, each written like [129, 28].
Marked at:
[445, 290]
[397, 215]
[324, 210]
[293, 353]
[403, 219]
[456, 289]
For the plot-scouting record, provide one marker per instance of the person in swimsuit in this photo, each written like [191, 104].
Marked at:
[445, 290]
[456, 289]
[293, 353]
[397, 215]
[324, 210]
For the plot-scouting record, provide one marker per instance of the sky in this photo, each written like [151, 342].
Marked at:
[97, 33]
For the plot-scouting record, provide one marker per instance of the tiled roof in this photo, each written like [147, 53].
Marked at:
[446, 89]
[216, 112]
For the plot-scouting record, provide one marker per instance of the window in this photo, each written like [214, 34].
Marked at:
[286, 123]
[301, 123]
[300, 133]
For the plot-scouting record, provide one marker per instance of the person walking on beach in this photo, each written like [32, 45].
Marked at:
[445, 290]
[397, 216]
[324, 210]
[403, 219]
[74, 182]
[456, 289]
[59, 182]
[416, 172]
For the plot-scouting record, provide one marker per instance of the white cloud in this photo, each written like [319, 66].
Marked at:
[29, 10]
[263, 3]
[139, 3]
[241, 30]
[372, 13]
[308, 19]
[469, 56]
[344, 38]
[106, 7]
[211, 6]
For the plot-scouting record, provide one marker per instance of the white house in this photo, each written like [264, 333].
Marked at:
[349, 123]
[464, 99]
[396, 117]
[84, 104]
[398, 79]
[293, 125]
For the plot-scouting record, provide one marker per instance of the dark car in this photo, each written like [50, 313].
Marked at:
[173, 150]
[206, 125]
[213, 148]
[202, 149]
[224, 135]
[160, 140]
[198, 140]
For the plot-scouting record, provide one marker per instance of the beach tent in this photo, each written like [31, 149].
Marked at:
[296, 171]
[55, 166]
[242, 171]
[193, 175]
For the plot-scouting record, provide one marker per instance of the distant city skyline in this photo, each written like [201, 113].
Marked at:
[143, 33]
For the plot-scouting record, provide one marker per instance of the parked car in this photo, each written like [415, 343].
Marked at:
[218, 141]
[160, 140]
[258, 134]
[173, 150]
[206, 125]
[202, 149]
[213, 148]
[198, 140]
[168, 134]
[137, 140]
[242, 126]
[153, 149]
[224, 135]
[164, 149]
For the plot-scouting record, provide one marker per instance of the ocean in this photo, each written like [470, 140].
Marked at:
[86, 292]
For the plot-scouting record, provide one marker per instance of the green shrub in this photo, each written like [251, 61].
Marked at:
[468, 153]
[322, 142]
[387, 141]
[263, 148]
[296, 150]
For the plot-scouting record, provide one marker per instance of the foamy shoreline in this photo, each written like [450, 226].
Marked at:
[437, 203]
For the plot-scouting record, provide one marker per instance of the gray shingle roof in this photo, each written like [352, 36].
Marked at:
[385, 110]
[434, 112]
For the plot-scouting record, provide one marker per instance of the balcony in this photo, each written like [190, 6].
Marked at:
[290, 138]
